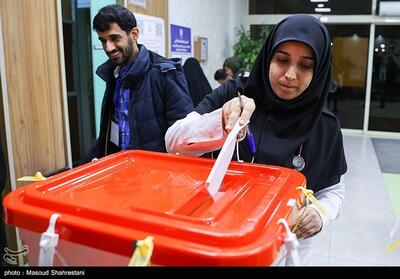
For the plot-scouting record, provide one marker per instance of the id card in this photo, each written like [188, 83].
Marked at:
[114, 137]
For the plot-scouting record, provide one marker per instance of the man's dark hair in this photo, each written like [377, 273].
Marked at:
[220, 74]
[114, 14]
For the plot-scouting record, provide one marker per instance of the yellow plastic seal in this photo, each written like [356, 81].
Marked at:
[143, 252]
[309, 194]
[38, 177]
[393, 246]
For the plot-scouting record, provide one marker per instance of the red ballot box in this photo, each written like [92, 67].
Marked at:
[107, 205]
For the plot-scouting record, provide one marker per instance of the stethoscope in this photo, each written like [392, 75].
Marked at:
[298, 161]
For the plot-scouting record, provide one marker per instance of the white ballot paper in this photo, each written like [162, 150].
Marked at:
[214, 179]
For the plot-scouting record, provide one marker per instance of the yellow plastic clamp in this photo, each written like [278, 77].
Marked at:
[393, 246]
[309, 194]
[143, 252]
[38, 177]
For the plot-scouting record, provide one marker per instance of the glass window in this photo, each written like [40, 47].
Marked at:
[256, 30]
[349, 69]
[384, 112]
[353, 7]
[388, 9]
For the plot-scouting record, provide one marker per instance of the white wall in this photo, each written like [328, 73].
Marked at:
[215, 20]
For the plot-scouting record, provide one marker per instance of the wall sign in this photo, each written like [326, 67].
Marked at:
[181, 39]
[140, 3]
[152, 34]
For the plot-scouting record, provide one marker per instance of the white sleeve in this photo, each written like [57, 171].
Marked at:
[332, 198]
[196, 134]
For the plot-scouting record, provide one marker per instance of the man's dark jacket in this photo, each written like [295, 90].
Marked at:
[159, 97]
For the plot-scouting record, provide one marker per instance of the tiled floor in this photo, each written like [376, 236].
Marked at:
[360, 236]
[387, 152]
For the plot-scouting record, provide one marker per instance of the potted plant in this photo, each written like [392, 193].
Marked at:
[247, 48]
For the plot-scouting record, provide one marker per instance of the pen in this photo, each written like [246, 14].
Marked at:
[250, 136]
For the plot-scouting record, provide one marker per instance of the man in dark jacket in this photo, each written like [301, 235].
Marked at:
[145, 94]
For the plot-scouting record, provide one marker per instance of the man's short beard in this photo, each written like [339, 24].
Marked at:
[129, 53]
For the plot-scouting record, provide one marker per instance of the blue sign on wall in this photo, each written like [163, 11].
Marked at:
[181, 39]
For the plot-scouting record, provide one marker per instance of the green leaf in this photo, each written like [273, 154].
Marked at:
[247, 48]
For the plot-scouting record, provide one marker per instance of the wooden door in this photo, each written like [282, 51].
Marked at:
[33, 72]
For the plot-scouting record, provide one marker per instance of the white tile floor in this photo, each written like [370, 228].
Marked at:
[360, 235]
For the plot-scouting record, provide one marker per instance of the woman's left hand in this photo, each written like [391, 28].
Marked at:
[310, 224]
[235, 110]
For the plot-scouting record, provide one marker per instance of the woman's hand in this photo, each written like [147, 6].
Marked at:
[232, 111]
[310, 223]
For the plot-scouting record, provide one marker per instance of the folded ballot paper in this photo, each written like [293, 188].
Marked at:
[214, 179]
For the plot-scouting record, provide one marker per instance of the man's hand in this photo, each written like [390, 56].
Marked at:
[310, 223]
[232, 111]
